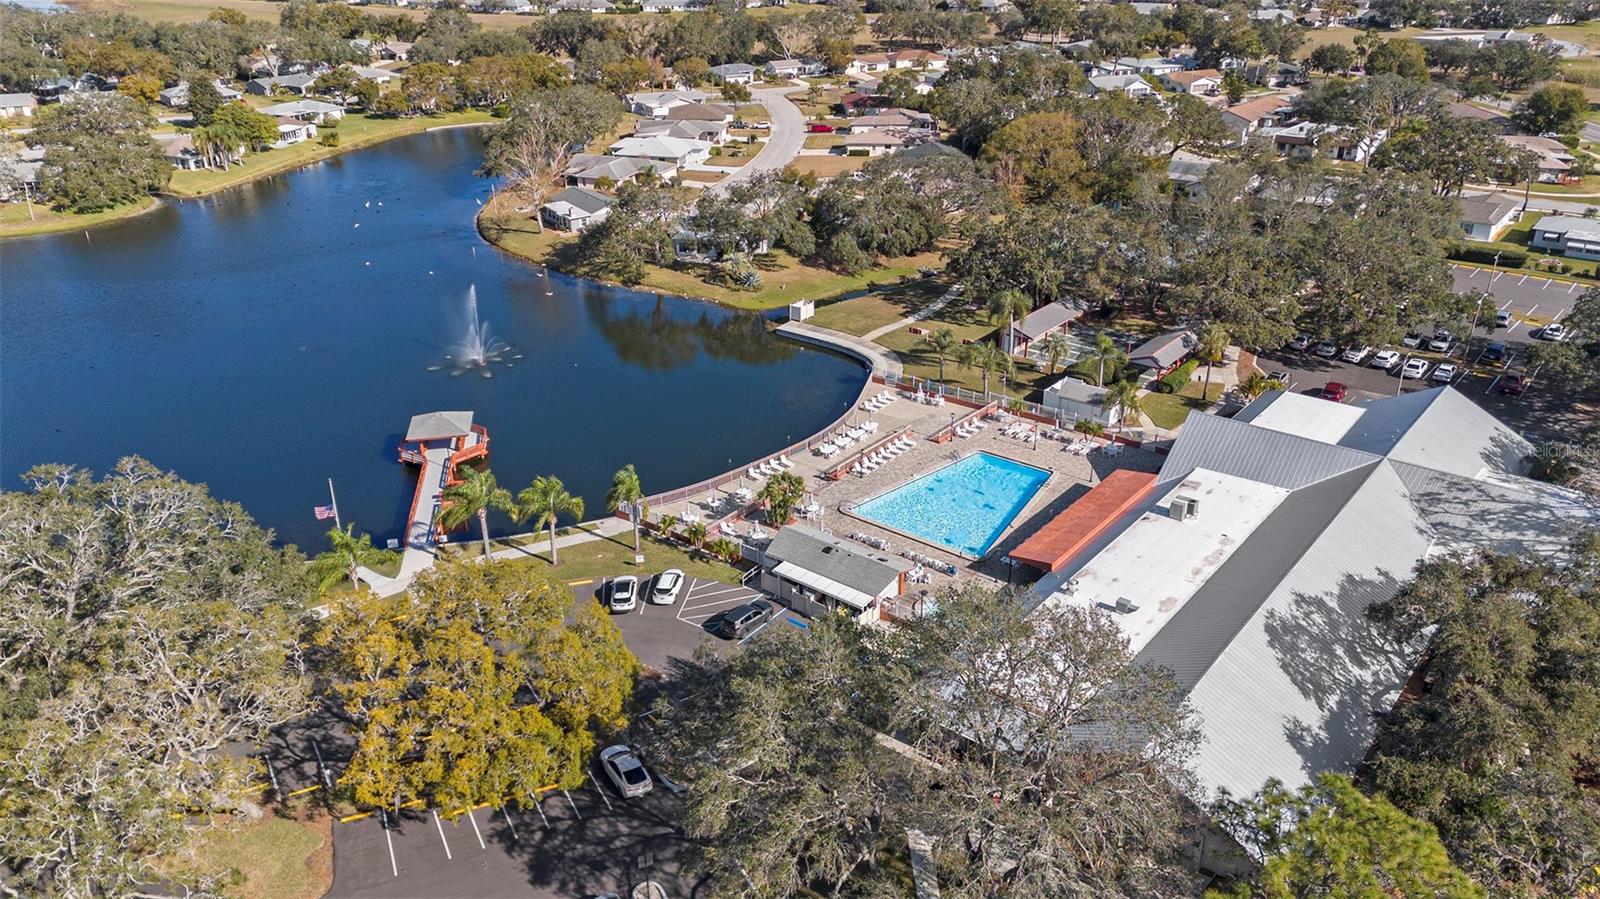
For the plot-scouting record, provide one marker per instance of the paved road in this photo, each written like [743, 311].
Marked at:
[783, 144]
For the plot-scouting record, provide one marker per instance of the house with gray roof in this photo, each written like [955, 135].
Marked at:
[589, 170]
[315, 111]
[715, 132]
[815, 572]
[1131, 84]
[177, 96]
[1164, 351]
[795, 68]
[655, 104]
[575, 209]
[266, 86]
[1484, 216]
[700, 112]
[1246, 567]
[1567, 235]
[734, 73]
[15, 106]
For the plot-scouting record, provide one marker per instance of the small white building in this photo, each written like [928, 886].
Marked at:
[316, 112]
[1200, 82]
[734, 73]
[874, 143]
[575, 209]
[1567, 235]
[1132, 85]
[293, 131]
[17, 106]
[656, 104]
[1073, 401]
[794, 68]
[816, 573]
[1485, 216]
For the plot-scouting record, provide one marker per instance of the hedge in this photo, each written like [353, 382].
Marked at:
[1470, 253]
[1174, 380]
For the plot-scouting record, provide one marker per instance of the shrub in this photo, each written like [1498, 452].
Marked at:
[1467, 252]
[1174, 380]
[328, 138]
[1092, 428]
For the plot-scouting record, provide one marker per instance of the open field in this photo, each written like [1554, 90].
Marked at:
[784, 278]
[15, 220]
[277, 858]
[866, 313]
[826, 166]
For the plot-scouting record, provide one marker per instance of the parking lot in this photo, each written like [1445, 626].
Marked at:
[576, 844]
[658, 634]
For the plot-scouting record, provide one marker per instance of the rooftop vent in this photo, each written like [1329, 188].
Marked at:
[1126, 605]
[1183, 507]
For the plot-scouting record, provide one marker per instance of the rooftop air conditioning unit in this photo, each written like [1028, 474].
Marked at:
[1183, 507]
[1126, 605]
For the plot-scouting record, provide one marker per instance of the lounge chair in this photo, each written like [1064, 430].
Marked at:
[784, 463]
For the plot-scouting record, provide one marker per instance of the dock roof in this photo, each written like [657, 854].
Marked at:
[439, 425]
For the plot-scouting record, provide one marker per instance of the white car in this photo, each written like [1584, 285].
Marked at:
[1300, 342]
[1553, 331]
[1442, 341]
[1386, 359]
[1412, 340]
[627, 773]
[1327, 349]
[1415, 368]
[623, 595]
[665, 590]
[1356, 353]
[1445, 373]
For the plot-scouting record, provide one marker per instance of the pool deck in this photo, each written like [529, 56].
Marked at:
[1071, 476]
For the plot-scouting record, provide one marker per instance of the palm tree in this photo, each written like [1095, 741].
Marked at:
[782, 492]
[1213, 343]
[546, 500]
[696, 532]
[625, 493]
[988, 358]
[1056, 348]
[942, 341]
[350, 551]
[1105, 350]
[475, 495]
[668, 522]
[1012, 307]
[1124, 395]
[723, 548]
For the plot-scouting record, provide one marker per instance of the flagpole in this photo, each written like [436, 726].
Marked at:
[335, 500]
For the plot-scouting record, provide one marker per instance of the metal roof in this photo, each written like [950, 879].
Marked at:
[1163, 350]
[1438, 429]
[836, 559]
[1242, 449]
[438, 425]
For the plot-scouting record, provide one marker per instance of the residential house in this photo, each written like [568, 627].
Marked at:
[794, 68]
[1188, 170]
[1200, 82]
[671, 150]
[734, 73]
[1151, 65]
[586, 170]
[22, 170]
[1464, 110]
[669, 5]
[878, 121]
[1247, 116]
[17, 106]
[374, 74]
[1566, 235]
[1162, 353]
[315, 111]
[1132, 85]
[1073, 400]
[590, 6]
[1112, 68]
[919, 59]
[182, 153]
[1485, 216]
[817, 573]
[1051, 318]
[1276, 73]
[656, 104]
[700, 112]
[1554, 159]
[714, 132]
[873, 143]
[1246, 566]
[297, 83]
[869, 64]
[1152, 9]
[575, 209]
[293, 131]
[1305, 140]
[178, 95]
[394, 51]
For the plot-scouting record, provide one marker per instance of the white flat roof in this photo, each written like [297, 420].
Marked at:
[1158, 562]
[1307, 416]
[846, 594]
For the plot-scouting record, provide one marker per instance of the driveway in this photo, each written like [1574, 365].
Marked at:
[783, 143]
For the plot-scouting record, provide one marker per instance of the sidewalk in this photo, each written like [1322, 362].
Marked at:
[880, 359]
[925, 312]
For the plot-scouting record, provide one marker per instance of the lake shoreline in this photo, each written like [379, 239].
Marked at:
[124, 213]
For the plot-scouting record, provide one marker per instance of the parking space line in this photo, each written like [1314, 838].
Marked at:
[573, 804]
[722, 590]
[475, 830]
[383, 821]
[539, 808]
[607, 799]
[504, 810]
[441, 836]
[759, 628]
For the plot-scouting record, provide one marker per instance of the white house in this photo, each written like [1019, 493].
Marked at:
[714, 132]
[1132, 85]
[1151, 65]
[1306, 139]
[817, 573]
[16, 106]
[1247, 116]
[1484, 216]
[1073, 401]
[293, 131]
[586, 170]
[1555, 160]
[1199, 82]
[656, 104]
[315, 111]
[674, 151]
[874, 143]
[575, 209]
[374, 74]
[298, 83]
[734, 73]
[1567, 235]
[794, 68]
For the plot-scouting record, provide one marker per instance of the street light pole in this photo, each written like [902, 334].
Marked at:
[1403, 364]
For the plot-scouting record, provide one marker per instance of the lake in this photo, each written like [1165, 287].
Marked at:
[275, 335]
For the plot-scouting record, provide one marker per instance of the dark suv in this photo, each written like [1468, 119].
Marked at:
[737, 622]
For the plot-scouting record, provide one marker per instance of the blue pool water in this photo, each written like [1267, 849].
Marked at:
[963, 506]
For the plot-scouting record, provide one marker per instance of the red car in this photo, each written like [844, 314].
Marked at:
[1333, 390]
[820, 128]
[1512, 384]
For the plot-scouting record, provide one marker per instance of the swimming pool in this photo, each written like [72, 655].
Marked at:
[962, 506]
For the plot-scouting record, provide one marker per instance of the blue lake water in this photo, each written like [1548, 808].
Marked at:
[260, 342]
[963, 506]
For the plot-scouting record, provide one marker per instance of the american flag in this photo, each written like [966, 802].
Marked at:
[324, 512]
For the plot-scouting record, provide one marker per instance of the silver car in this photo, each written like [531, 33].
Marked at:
[626, 772]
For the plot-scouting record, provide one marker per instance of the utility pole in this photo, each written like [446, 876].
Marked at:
[335, 501]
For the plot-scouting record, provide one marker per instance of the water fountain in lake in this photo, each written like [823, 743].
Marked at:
[476, 347]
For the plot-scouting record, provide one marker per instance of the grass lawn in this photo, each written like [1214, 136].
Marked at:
[15, 221]
[610, 556]
[1516, 238]
[1168, 410]
[827, 166]
[277, 858]
[785, 279]
[859, 315]
[918, 359]
[357, 130]
[702, 177]
[733, 158]
[823, 141]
